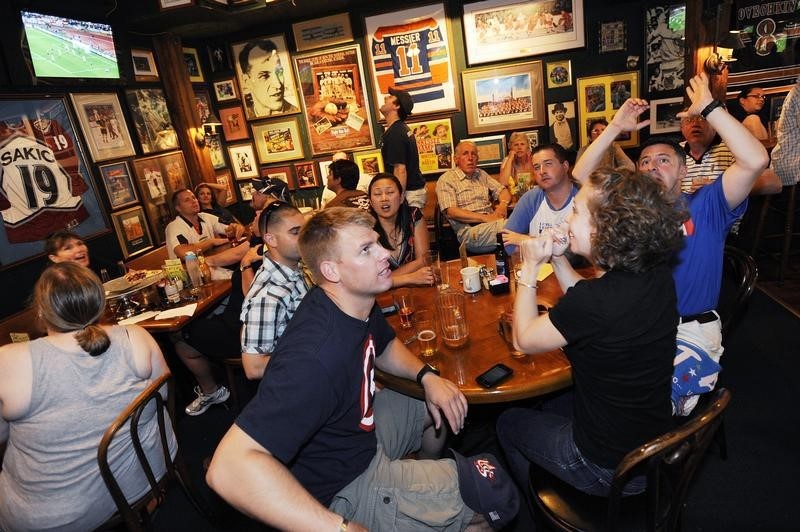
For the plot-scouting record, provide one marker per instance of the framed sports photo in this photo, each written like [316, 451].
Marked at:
[193, 65]
[663, 117]
[132, 231]
[611, 37]
[151, 120]
[234, 126]
[434, 144]
[144, 65]
[600, 97]
[225, 179]
[559, 74]
[225, 90]
[243, 161]
[665, 29]
[103, 125]
[306, 175]
[118, 183]
[215, 151]
[278, 141]
[202, 103]
[158, 178]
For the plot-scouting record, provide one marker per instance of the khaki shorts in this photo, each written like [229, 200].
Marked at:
[395, 494]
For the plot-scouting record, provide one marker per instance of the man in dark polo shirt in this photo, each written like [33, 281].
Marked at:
[399, 147]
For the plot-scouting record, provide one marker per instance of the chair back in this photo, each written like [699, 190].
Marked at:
[446, 239]
[739, 275]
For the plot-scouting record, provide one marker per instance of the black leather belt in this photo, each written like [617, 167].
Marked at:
[705, 317]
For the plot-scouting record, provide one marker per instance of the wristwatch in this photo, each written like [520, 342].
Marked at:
[710, 107]
[427, 368]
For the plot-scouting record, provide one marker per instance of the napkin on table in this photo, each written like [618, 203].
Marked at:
[186, 310]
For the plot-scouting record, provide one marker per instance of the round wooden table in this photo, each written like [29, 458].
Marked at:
[534, 375]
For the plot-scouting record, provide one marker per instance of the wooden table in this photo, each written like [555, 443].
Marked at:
[534, 375]
[210, 295]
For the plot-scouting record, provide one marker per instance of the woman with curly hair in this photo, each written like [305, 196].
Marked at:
[617, 329]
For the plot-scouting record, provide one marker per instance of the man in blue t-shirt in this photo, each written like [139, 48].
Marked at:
[712, 211]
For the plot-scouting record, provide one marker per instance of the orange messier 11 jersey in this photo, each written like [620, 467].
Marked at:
[412, 57]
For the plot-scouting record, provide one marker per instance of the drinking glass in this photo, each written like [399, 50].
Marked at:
[506, 328]
[404, 302]
[432, 261]
[425, 326]
[451, 312]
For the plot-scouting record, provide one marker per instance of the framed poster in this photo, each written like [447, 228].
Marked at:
[559, 74]
[611, 37]
[665, 27]
[46, 185]
[563, 127]
[369, 162]
[324, 31]
[225, 90]
[412, 50]
[132, 232]
[278, 141]
[600, 97]
[144, 65]
[119, 184]
[224, 179]
[306, 175]
[434, 144]
[151, 120]
[159, 177]
[103, 125]
[243, 161]
[215, 151]
[663, 117]
[193, 65]
[504, 97]
[234, 126]
[491, 150]
[268, 87]
[499, 30]
[202, 103]
[335, 100]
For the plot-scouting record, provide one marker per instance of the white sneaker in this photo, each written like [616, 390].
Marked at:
[203, 401]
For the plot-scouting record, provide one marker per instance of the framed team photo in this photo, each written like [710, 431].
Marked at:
[600, 97]
[193, 65]
[118, 182]
[132, 231]
[434, 144]
[158, 178]
[225, 90]
[234, 126]
[144, 65]
[426, 69]
[663, 115]
[243, 161]
[151, 120]
[323, 31]
[335, 100]
[278, 141]
[268, 86]
[306, 175]
[103, 125]
[48, 187]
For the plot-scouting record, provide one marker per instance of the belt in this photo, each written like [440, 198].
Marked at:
[705, 317]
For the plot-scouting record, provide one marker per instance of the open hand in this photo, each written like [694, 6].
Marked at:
[627, 116]
[699, 93]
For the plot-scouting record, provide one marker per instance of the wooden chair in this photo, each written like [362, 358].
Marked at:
[135, 516]
[669, 463]
[739, 276]
[785, 207]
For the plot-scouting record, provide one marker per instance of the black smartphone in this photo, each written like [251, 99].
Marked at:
[494, 375]
[388, 311]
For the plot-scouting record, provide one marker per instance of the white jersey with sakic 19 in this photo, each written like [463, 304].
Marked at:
[36, 193]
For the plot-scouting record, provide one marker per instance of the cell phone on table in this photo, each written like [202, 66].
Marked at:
[494, 375]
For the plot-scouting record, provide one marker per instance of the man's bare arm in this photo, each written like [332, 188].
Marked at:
[400, 172]
[182, 249]
[468, 217]
[255, 365]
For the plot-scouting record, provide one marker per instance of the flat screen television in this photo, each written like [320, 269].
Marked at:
[66, 48]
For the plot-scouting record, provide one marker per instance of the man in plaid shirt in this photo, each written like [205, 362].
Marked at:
[277, 289]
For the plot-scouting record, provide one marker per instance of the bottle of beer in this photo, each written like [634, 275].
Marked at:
[501, 258]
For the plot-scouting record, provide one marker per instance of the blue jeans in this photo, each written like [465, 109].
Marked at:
[544, 437]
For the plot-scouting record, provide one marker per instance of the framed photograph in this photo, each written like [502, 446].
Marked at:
[559, 74]
[159, 177]
[218, 56]
[268, 87]
[144, 65]
[215, 151]
[324, 31]
[103, 125]
[612, 37]
[499, 30]
[132, 231]
[369, 162]
[563, 127]
[278, 141]
[164, 5]
[504, 97]
[225, 179]
[284, 173]
[243, 161]
[334, 100]
[491, 150]
[663, 117]
[412, 49]
[47, 186]
[600, 97]
[246, 190]
[665, 27]
[151, 120]
[202, 103]
[434, 144]
[193, 65]
[225, 90]
[119, 184]
[533, 138]
[306, 175]
[234, 126]
[323, 171]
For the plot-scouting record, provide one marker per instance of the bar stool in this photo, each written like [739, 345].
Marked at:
[785, 205]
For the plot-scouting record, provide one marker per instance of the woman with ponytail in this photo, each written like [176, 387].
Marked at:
[58, 395]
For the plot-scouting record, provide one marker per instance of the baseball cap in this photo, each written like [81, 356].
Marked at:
[403, 100]
[487, 488]
[272, 187]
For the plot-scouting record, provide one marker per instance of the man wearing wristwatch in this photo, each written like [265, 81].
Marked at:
[713, 209]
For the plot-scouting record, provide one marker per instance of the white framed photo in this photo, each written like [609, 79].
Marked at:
[663, 115]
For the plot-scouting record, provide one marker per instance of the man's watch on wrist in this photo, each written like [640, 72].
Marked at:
[710, 107]
[427, 368]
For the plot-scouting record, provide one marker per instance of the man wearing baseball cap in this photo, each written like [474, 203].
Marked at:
[399, 147]
[266, 189]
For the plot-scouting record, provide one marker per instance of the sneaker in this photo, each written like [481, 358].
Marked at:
[203, 401]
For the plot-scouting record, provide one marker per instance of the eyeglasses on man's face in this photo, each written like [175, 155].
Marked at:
[759, 96]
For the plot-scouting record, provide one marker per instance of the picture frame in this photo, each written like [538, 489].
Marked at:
[165, 5]
[563, 124]
[132, 231]
[533, 138]
[369, 162]
[225, 90]
[202, 103]
[491, 150]
[284, 173]
[144, 65]
[601, 96]
[487, 40]
[323, 31]
[261, 104]
[234, 125]
[243, 161]
[158, 178]
[278, 140]
[559, 74]
[612, 37]
[151, 120]
[118, 182]
[215, 151]
[306, 175]
[324, 166]
[63, 195]
[490, 100]
[434, 144]
[219, 58]
[225, 179]
[103, 125]
[193, 65]
[665, 28]
[334, 99]
[663, 117]
[246, 190]
[431, 81]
